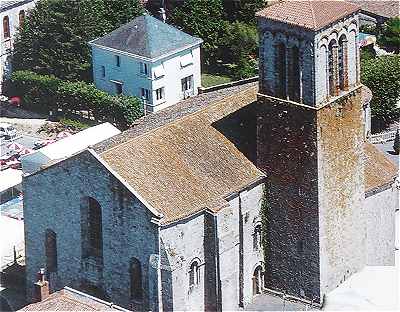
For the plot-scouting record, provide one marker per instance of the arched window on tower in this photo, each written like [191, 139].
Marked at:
[257, 240]
[194, 274]
[342, 63]
[92, 232]
[280, 62]
[294, 74]
[136, 280]
[6, 27]
[51, 250]
[332, 68]
[258, 280]
[21, 17]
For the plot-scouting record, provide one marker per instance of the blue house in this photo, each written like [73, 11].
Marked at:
[149, 59]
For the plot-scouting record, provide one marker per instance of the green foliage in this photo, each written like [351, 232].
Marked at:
[243, 11]
[396, 144]
[54, 37]
[209, 80]
[204, 19]
[391, 34]
[75, 125]
[382, 76]
[44, 92]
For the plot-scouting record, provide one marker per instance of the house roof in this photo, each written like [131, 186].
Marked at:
[68, 299]
[385, 8]
[186, 165]
[9, 4]
[309, 14]
[379, 170]
[147, 37]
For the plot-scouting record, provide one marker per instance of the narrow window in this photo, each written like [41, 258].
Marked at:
[332, 67]
[95, 232]
[21, 17]
[294, 75]
[117, 61]
[6, 27]
[118, 87]
[145, 94]
[187, 83]
[258, 280]
[144, 69]
[257, 242]
[136, 280]
[51, 250]
[194, 274]
[281, 70]
[342, 63]
[103, 71]
[160, 94]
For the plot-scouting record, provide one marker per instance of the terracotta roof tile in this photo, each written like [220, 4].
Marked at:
[379, 170]
[385, 8]
[308, 14]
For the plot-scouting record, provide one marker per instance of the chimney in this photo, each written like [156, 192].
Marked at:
[41, 287]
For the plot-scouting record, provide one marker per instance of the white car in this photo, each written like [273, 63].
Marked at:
[7, 131]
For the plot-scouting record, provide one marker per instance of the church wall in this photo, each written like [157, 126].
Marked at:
[341, 189]
[380, 214]
[181, 244]
[53, 199]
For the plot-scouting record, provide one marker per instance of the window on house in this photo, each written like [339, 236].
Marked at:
[342, 62]
[118, 87]
[186, 60]
[187, 83]
[257, 238]
[294, 75]
[21, 17]
[103, 71]
[117, 61]
[332, 67]
[160, 94]
[136, 279]
[51, 250]
[145, 94]
[6, 27]
[194, 274]
[144, 68]
[280, 61]
[258, 280]
[95, 228]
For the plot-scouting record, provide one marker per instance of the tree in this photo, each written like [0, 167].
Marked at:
[243, 10]
[204, 19]
[122, 11]
[382, 76]
[54, 37]
[396, 144]
[390, 36]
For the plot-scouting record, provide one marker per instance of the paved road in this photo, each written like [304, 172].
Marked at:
[387, 149]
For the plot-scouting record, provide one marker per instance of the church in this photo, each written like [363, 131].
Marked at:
[268, 187]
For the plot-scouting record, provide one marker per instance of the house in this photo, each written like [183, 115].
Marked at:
[377, 12]
[148, 59]
[12, 13]
[220, 197]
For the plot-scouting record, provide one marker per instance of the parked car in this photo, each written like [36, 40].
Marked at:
[7, 131]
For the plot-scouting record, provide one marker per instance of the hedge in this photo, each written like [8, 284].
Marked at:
[44, 93]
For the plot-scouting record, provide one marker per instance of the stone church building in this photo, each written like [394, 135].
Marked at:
[252, 188]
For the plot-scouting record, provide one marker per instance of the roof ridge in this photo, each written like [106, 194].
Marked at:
[312, 13]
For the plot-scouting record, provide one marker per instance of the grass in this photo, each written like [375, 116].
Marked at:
[210, 80]
[74, 124]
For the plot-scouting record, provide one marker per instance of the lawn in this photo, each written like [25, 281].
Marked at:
[210, 80]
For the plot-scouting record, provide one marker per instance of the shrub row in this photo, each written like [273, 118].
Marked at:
[44, 93]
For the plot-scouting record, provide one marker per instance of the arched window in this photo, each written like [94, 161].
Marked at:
[136, 280]
[21, 17]
[92, 232]
[194, 274]
[332, 67]
[343, 62]
[257, 240]
[6, 27]
[51, 250]
[258, 280]
[280, 61]
[294, 74]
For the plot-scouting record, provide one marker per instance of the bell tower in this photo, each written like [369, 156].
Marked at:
[310, 145]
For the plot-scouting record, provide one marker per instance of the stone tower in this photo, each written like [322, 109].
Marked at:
[310, 145]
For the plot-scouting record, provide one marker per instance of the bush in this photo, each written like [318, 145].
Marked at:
[44, 93]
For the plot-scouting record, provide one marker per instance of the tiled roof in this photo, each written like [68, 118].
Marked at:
[148, 37]
[308, 14]
[385, 8]
[69, 299]
[379, 170]
[186, 165]
[9, 4]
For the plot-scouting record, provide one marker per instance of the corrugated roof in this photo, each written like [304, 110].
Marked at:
[308, 14]
[379, 170]
[148, 37]
[186, 166]
[385, 8]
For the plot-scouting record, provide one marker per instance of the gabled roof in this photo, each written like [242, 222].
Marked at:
[147, 37]
[385, 8]
[310, 14]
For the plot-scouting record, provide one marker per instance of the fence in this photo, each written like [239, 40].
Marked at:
[382, 137]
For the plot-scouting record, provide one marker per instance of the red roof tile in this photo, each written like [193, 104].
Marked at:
[385, 8]
[308, 14]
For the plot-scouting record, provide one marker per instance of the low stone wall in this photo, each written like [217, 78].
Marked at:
[227, 85]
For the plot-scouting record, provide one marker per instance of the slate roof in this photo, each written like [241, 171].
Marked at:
[147, 37]
[310, 14]
[186, 165]
[379, 170]
[385, 8]
[69, 299]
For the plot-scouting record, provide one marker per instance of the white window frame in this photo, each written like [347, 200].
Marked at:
[159, 71]
[145, 94]
[160, 94]
[186, 60]
[185, 82]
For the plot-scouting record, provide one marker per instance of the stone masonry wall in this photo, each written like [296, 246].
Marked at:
[53, 199]
[341, 189]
